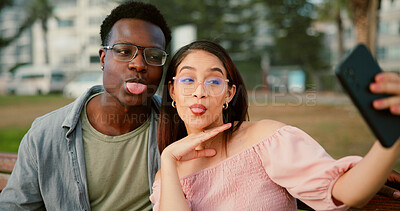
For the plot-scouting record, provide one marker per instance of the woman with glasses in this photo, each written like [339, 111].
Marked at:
[213, 159]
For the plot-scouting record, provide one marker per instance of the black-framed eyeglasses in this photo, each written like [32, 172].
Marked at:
[126, 52]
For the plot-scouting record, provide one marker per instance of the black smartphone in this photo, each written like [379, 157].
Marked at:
[355, 72]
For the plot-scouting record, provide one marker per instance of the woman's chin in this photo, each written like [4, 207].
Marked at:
[197, 126]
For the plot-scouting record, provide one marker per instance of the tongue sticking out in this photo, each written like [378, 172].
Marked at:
[136, 88]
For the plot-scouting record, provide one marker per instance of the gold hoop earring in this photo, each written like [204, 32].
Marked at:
[173, 104]
[225, 106]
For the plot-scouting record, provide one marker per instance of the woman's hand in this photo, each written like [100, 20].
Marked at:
[186, 148]
[172, 197]
[387, 83]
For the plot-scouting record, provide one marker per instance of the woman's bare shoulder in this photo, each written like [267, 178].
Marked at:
[256, 131]
[271, 125]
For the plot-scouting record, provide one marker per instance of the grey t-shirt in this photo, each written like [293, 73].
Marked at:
[116, 168]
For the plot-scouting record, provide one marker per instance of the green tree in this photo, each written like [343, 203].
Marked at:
[37, 10]
[42, 11]
[231, 23]
[3, 40]
[331, 11]
[365, 19]
[363, 14]
[295, 41]
[4, 3]
[240, 24]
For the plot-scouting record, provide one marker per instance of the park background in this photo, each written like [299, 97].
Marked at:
[267, 39]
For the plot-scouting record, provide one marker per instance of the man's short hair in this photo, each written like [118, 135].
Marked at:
[136, 10]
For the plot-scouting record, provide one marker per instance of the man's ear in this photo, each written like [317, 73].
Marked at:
[102, 55]
[231, 93]
[171, 90]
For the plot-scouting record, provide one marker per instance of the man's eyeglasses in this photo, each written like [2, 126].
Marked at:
[126, 52]
[213, 85]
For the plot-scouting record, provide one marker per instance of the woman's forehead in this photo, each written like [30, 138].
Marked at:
[200, 61]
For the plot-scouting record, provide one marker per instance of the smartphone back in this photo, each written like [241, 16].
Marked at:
[356, 72]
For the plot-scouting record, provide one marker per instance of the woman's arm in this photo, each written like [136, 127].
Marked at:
[358, 185]
[172, 196]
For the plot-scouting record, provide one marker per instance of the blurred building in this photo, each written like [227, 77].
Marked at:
[73, 35]
[20, 51]
[388, 37]
[74, 40]
[388, 43]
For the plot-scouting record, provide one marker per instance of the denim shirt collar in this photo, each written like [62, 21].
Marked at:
[72, 119]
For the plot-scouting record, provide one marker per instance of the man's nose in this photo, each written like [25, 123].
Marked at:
[138, 63]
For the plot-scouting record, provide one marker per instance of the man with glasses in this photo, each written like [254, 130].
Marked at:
[100, 152]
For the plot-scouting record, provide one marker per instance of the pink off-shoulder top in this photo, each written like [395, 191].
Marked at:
[269, 175]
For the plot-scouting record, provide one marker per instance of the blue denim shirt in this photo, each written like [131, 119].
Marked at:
[50, 171]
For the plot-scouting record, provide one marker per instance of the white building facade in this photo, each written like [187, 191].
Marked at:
[73, 35]
[19, 51]
[388, 43]
[74, 39]
[388, 37]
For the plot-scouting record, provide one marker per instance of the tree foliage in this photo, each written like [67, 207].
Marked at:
[230, 23]
[4, 41]
[295, 41]
[36, 10]
[365, 21]
[4, 3]
[42, 11]
[233, 23]
[331, 11]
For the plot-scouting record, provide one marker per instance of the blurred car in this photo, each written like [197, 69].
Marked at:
[83, 82]
[34, 80]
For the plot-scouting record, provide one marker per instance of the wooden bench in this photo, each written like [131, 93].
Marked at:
[376, 203]
[7, 162]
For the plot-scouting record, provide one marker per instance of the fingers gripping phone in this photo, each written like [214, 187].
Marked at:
[355, 72]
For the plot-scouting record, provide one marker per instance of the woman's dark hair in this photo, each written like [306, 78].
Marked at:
[171, 127]
[136, 10]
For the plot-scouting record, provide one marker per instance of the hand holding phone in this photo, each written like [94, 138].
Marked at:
[356, 72]
[388, 83]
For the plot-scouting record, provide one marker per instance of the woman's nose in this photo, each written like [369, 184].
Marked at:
[200, 91]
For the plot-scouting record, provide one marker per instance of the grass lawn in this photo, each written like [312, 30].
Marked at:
[10, 138]
[17, 114]
[338, 128]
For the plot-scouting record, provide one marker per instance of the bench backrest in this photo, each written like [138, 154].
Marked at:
[7, 162]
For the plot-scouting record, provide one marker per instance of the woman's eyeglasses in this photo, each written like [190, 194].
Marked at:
[126, 52]
[213, 85]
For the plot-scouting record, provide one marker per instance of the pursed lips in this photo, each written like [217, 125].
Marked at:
[198, 109]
